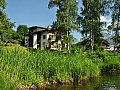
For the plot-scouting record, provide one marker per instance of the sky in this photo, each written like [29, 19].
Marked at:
[32, 13]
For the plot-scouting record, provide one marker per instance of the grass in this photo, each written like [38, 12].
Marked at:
[22, 65]
[6, 84]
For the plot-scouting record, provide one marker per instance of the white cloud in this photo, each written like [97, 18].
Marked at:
[109, 20]
[103, 19]
[108, 24]
[106, 19]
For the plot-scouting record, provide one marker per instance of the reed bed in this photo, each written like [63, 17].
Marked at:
[22, 65]
[5, 84]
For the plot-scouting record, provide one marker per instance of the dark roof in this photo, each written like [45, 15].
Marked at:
[37, 27]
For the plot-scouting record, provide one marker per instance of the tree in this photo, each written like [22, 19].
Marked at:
[116, 21]
[66, 18]
[5, 24]
[89, 21]
[22, 30]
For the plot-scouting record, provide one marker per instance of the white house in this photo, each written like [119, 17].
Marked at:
[41, 37]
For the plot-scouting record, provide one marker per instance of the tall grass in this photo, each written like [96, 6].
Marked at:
[6, 84]
[21, 65]
[107, 61]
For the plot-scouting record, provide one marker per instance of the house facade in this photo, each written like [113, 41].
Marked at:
[41, 37]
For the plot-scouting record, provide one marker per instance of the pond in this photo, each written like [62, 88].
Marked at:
[103, 82]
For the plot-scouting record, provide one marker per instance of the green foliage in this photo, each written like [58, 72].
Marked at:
[22, 30]
[89, 21]
[111, 62]
[107, 61]
[5, 24]
[115, 21]
[66, 18]
[37, 66]
[6, 84]
[22, 65]
[2, 4]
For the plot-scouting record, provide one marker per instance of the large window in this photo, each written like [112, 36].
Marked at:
[44, 36]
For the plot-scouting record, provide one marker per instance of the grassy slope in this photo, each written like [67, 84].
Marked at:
[21, 65]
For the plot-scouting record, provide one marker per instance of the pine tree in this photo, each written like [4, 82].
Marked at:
[66, 18]
[89, 20]
[116, 21]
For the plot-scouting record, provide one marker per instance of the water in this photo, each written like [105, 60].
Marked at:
[104, 82]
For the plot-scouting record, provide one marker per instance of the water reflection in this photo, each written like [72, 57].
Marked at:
[104, 82]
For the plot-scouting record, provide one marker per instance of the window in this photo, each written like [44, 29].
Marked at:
[44, 36]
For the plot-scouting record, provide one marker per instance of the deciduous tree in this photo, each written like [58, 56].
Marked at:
[22, 30]
[5, 24]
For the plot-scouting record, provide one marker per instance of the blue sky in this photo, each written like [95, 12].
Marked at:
[32, 13]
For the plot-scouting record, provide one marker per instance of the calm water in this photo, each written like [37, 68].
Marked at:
[104, 82]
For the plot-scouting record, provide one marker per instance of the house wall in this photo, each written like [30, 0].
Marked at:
[27, 41]
[35, 41]
[44, 42]
[39, 40]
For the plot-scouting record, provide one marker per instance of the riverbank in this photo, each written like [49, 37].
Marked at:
[27, 67]
[109, 81]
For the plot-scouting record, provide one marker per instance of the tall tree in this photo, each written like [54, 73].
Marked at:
[116, 21]
[66, 17]
[5, 24]
[89, 20]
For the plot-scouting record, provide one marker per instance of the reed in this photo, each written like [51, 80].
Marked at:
[6, 84]
[22, 65]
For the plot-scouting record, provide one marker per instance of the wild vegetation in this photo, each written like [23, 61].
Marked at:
[5, 84]
[27, 66]
[20, 65]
